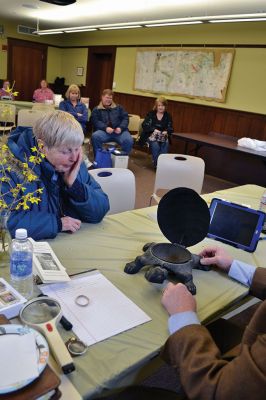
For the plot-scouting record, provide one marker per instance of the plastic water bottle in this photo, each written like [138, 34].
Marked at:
[21, 263]
[263, 208]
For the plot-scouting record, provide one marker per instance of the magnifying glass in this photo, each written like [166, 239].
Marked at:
[42, 314]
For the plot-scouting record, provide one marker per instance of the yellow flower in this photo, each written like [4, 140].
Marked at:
[20, 199]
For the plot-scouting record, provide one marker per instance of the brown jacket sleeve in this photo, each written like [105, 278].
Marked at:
[205, 375]
[258, 285]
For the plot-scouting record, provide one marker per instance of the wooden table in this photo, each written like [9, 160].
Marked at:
[218, 141]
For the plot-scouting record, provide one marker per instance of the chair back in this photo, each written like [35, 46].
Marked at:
[29, 117]
[119, 185]
[178, 170]
[43, 107]
[7, 116]
[133, 125]
[57, 99]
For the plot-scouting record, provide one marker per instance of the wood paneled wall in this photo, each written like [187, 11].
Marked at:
[187, 118]
[196, 118]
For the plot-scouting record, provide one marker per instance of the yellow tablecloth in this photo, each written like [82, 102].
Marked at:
[108, 246]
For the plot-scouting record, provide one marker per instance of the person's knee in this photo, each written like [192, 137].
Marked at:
[97, 136]
[128, 141]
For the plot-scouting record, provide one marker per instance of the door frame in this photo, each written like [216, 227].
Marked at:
[25, 43]
[91, 69]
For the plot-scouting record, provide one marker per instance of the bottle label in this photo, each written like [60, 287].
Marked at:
[21, 264]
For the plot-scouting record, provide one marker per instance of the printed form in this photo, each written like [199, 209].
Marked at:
[108, 312]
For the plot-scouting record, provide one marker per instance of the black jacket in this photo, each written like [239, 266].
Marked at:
[151, 122]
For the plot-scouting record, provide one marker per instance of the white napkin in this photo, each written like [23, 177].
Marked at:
[253, 144]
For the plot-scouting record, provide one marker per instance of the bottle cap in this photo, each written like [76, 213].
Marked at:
[21, 234]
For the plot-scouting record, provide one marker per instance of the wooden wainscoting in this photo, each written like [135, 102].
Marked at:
[194, 118]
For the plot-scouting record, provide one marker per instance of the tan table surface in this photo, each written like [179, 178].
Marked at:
[108, 246]
[19, 104]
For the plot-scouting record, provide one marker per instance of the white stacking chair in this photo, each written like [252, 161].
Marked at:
[119, 184]
[29, 117]
[178, 170]
[7, 115]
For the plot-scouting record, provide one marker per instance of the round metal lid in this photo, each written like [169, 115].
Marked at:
[183, 216]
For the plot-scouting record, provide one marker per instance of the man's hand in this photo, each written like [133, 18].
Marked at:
[177, 298]
[70, 224]
[70, 176]
[156, 131]
[218, 256]
[117, 130]
[109, 130]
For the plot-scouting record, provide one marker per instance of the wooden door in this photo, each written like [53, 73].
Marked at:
[26, 66]
[100, 72]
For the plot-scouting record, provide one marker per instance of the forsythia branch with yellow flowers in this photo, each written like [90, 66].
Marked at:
[25, 174]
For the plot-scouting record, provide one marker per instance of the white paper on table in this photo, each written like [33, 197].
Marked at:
[18, 358]
[108, 313]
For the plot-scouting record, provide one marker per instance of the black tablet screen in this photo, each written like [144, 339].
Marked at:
[233, 224]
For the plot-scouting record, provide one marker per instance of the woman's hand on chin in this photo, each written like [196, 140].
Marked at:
[71, 175]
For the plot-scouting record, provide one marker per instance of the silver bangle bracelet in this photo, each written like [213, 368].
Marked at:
[82, 300]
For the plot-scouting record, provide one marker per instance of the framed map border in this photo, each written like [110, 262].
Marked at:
[218, 52]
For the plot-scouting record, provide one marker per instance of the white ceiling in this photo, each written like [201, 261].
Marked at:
[95, 12]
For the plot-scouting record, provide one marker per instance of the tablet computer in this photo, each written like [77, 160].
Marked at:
[235, 224]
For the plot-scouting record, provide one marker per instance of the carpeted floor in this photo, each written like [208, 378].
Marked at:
[140, 163]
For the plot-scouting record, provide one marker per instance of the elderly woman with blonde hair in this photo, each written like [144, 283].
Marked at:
[70, 195]
[74, 106]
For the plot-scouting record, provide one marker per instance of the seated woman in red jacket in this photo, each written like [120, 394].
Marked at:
[44, 93]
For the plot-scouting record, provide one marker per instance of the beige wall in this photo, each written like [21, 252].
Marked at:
[247, 85]
[238, 33]
[246, 88]
[71, 60]
[64, 63]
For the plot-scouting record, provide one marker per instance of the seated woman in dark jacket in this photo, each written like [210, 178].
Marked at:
[157, 128]
[69, 196]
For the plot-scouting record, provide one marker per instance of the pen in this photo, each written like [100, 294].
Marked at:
[83, 272]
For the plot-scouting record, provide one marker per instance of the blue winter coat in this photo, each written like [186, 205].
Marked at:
[80, 108]
[113, 117]
[43, 220]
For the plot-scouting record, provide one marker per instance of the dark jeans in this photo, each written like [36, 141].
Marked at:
[158, 148]
[124, 139]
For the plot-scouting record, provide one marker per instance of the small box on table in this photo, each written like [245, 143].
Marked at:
[11, 301]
